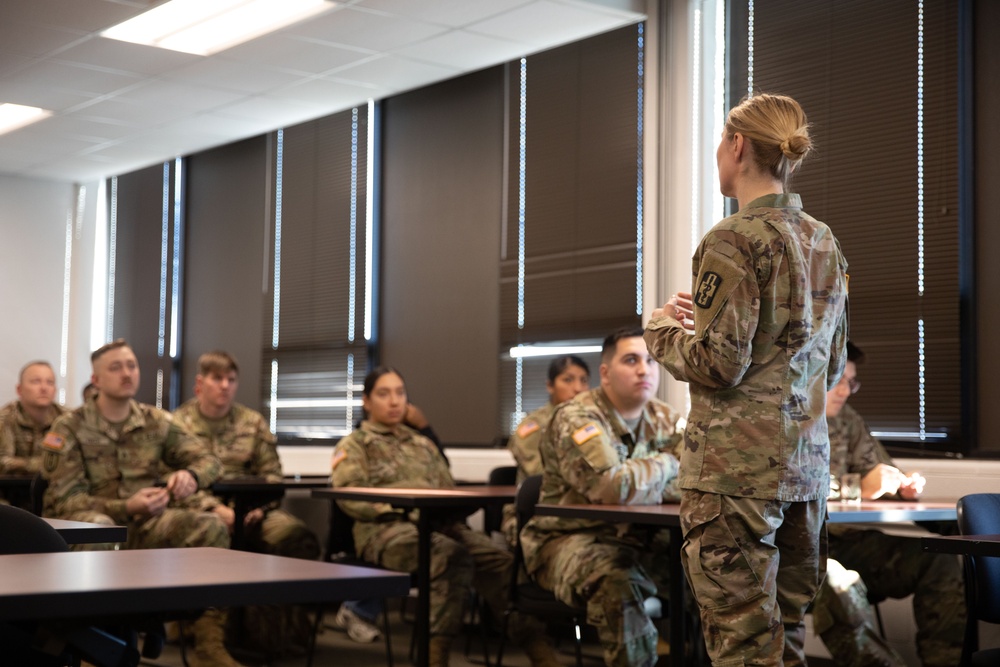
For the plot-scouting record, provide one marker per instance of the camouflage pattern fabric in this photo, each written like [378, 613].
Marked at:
[246, 448]
[769, 340]
[94, 467]
[845, 620]
[523, 446]
[890, 565]
[590, 457]
[21, 438]
[376, 456]
[754, 567]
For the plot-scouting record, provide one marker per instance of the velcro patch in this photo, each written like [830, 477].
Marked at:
[54, 442]
[707, 288]
[527, 428]
[585, 433]
[338, 457]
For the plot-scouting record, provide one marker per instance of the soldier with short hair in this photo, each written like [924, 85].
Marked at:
[25, 421]
[241, 439]
[888, 565]
[104, 463]
[614, 444]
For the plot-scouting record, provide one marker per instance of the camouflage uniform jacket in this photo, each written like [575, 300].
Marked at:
[852, 449]
[242, 440]
[21, 438]
[524, 441]
[375, 456]
[92, 466]
[770, 315]
[590, 457]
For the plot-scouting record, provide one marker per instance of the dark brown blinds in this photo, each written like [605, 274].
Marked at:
[853, 65]
[581, 180]
[321, 351]
[140, 203]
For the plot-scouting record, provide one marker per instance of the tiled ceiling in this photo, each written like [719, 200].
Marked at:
[120, 106]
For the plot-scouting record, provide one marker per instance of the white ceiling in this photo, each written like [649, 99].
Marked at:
[120, 106]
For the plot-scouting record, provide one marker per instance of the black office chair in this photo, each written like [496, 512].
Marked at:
[527, 597]
[493, 515]
[340, 549]
[21, 532]
[979, 514]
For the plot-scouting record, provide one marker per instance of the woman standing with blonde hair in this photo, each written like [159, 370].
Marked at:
[760, 341]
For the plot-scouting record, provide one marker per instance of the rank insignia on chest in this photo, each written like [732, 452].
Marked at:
[527, 428]
[53, 442]
[582, 435]
[707, 288]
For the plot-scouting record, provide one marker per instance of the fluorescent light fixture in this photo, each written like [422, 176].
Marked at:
[16, 116]
[551, 350]
[204, 27]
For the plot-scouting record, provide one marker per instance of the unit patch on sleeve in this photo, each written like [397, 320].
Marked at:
[707, 288]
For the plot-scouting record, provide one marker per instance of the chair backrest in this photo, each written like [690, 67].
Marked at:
[493, 515]
[21, 532]
[340, 539]
[527, 498]
[979, 514]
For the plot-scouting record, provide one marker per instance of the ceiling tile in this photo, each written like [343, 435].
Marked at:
[297, 54]
[455, 13]
[463, 50]
[545, 23]
[119, 56]
[74, 78]
[393, 74]
[229, 75]
[373, 31]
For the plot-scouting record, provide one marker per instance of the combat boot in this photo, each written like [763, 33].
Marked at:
[438, 650]
[540, 652]
[209, 646]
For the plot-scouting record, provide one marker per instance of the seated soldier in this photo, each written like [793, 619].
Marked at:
[103, 462]
[384, 452]
[889, 565]
[614, 444]
[25, 421]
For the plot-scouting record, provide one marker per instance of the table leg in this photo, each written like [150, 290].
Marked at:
[678, 589]
[423, 624]
[240, 511]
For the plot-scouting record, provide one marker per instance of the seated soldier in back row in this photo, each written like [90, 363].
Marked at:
[103, 461]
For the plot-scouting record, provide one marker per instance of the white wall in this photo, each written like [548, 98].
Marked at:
[33, 229]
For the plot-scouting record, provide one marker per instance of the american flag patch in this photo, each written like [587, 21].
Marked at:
[527, 428]
[338, 456]
[582, 435]
[54, 442]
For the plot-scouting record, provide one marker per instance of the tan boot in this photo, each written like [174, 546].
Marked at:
[209, 647]
[540, 653]
[440, 647]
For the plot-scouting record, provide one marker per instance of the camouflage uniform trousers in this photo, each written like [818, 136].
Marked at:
[845, 620]
[754, 567]
[460, 558]
[611, 577]
[282, 534]
[897, 567]
[173, 528]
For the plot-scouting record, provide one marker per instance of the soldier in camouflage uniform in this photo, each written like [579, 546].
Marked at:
[760, 342]
[613, 444]
[889, 565]
[242, 441]
[385, 452]
[567, 377]
[103, 461]
[24, 422]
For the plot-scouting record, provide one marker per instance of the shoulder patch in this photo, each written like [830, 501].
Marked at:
[585, 433]
[54, 442]
[338, 458]
[527, 428]
[707, 287]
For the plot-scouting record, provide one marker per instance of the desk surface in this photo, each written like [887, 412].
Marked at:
[479, 495]
[967, 545]
[116, 583]
[259, 484]
[668, 514]
[81, 532]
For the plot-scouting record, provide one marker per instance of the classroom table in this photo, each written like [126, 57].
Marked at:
[81, 532]
[668, 516]
[117, 584]
[965, 545]
[430, 502]
[249, 493]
